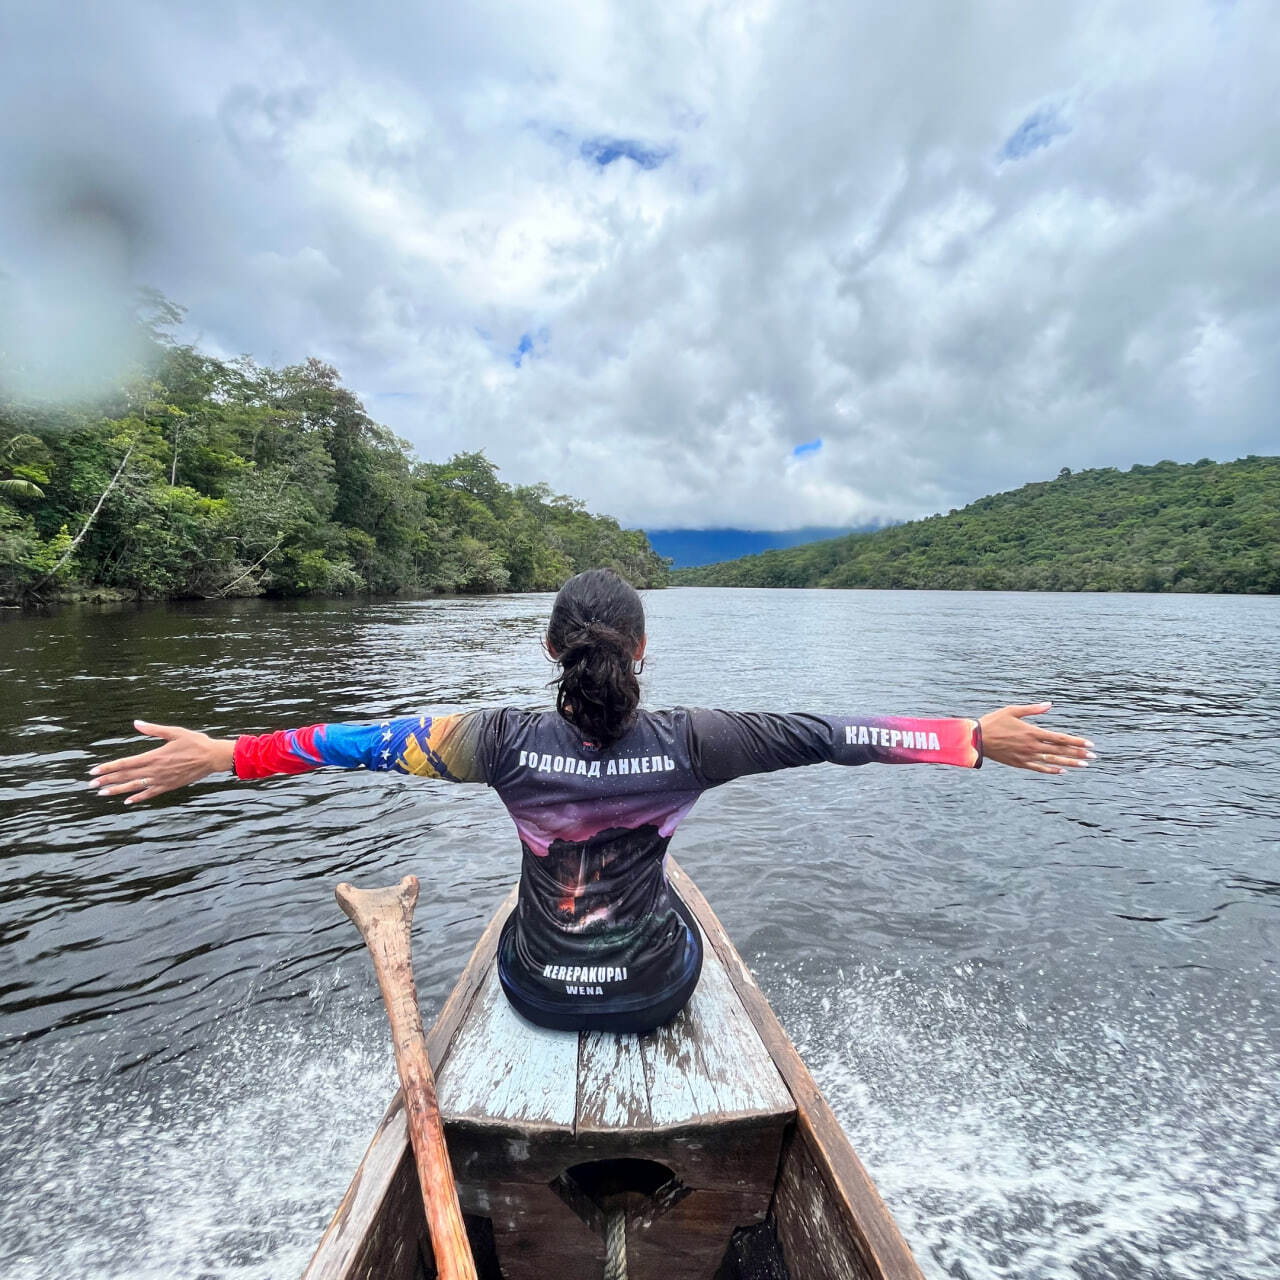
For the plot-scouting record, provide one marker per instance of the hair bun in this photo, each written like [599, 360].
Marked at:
[596, 626]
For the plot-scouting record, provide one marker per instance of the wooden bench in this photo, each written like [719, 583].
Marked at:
[682, 1126]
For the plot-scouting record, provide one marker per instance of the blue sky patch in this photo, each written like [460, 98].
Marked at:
[530, 341]
[806, 450]
[604, 151]
[1038, 130]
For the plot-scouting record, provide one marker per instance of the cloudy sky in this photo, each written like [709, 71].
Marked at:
[765, 264]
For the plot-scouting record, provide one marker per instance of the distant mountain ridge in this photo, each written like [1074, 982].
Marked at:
[688, 548]
[1198, 527]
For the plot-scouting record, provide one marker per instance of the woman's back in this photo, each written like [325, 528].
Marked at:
[596, 789]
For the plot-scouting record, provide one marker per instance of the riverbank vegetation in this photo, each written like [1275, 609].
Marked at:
[208, 478]
[1204, 526]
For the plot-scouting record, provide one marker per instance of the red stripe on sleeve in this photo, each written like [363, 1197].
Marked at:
[260, 756]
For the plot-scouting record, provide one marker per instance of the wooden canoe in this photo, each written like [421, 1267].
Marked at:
[709, 1132]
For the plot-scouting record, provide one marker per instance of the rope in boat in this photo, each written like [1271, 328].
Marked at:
[615, 1244]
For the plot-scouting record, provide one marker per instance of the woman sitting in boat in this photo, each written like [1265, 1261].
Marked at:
[597, 788]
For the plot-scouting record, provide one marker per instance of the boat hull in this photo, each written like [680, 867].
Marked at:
[820, 1217]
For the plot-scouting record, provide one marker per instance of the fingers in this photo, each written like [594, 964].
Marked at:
[1054, 759]
[111, 769]
[120, 786]
[149, 793]
[139, 785]
[1061, 761]
[1065, 744]
[1030, 709]
[115, 776]
[167, 731]
[1009, 738]
[186, 756]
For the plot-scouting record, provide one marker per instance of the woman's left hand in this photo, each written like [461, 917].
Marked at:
[1007, 738]
[186, 757]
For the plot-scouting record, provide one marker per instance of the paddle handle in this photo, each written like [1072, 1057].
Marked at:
[383, 917]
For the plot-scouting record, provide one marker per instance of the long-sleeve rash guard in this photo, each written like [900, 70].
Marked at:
[598, 940]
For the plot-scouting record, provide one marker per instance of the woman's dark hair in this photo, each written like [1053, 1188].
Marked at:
[597, 624]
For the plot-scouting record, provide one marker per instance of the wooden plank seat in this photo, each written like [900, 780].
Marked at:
[682, 1126]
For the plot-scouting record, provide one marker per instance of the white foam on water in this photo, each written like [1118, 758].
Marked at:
[1013, 1135]
[229, 1168]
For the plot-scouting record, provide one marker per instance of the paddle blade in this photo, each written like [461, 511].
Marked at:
[369, 908]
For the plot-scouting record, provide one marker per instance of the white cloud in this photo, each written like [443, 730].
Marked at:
[963, 246]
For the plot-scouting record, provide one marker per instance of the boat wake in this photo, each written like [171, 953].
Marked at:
[1019, 1132]
[229, 1167]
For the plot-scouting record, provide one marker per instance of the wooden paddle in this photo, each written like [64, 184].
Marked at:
[383, 917]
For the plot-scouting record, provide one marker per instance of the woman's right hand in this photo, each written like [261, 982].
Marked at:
[186, 757]
[1009, 738]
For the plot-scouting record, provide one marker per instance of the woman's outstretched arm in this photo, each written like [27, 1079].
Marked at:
[448, 747]
[727, 744]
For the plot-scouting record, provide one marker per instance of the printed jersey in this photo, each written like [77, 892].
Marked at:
[598, 940]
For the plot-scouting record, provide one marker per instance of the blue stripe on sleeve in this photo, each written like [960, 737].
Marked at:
[352, 745]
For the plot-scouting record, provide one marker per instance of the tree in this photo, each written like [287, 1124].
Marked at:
[206, 477]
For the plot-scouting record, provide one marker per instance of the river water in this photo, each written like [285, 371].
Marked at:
[1045, 1009]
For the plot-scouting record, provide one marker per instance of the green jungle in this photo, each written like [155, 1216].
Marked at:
[206, 478]
[1203, 526]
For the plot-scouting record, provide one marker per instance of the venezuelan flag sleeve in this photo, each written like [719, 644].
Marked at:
[730, 744]
[451, 747]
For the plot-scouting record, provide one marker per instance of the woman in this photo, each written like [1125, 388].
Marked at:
[596, 788]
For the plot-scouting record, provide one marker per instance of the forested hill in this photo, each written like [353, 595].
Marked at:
[1202, 526]
[211, 478]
